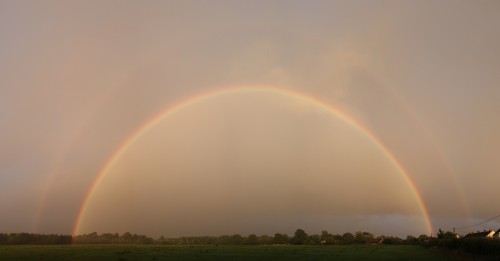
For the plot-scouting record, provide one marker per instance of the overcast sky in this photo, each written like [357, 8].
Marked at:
[78, 78]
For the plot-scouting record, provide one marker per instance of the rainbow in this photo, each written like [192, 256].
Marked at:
[431, 138]
[250, 89]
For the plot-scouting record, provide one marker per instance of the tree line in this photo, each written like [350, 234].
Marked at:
[300, 237]
[444, 240]
[109, 238]
[489, 248]
[34, 239]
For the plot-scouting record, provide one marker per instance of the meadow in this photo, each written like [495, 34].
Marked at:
[260, 252]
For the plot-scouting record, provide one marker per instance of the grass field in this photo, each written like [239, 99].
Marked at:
[157, 252]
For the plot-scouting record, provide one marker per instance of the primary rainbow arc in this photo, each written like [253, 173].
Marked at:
[260, 89]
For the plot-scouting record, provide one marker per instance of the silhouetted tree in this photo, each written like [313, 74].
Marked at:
[328, 239]
[423, 238]
[314, 239]
[252, 240]
[280, 239]
[363, 237]
[347, 238]
[265, 240]
[411, 239]
[236, 239]
[300, 237]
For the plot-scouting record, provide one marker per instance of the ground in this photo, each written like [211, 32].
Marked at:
[158, 252]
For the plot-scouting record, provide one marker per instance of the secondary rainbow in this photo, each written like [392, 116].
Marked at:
[250, 89]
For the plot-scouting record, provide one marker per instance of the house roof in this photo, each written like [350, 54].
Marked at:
[478, 234]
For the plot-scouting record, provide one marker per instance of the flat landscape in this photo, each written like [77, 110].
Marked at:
[158, 252]
[249, 130]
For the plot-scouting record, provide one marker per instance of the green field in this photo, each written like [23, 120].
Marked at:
[158, 252]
